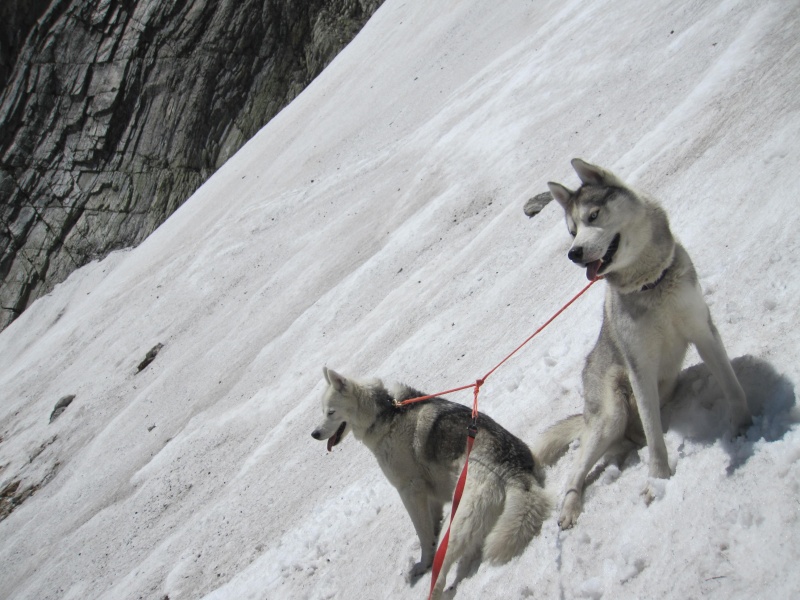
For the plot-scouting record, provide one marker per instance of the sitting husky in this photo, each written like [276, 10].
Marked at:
[654, 309]
[421, 447]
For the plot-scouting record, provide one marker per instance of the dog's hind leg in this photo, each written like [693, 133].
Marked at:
[468, 565]
[604, 429]
[477, 514]
[712, 351]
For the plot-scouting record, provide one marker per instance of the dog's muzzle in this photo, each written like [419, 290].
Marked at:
[334, 439]
[595, 267]
[576, 254]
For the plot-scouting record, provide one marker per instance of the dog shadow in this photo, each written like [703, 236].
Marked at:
[699, 410]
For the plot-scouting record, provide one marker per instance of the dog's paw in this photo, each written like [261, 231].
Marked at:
[418, 570]
[655, 489]
[567, 521]
[570, 511]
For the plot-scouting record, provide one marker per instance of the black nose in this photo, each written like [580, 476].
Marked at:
[315, 434]
[575, 254]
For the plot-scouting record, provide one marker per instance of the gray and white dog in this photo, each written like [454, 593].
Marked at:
[420, 448]
[654, 309]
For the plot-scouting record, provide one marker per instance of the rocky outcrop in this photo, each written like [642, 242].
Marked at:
[16, 19]
[117, 110]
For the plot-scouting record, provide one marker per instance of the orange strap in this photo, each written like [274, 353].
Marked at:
[438, 559]
[462, 480]
[477, 385]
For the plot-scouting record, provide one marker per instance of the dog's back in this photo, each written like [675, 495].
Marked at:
[504, 503]
[421, 447]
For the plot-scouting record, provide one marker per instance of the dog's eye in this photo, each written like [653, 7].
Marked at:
[331, 413]
[593, 215]
[573, 233]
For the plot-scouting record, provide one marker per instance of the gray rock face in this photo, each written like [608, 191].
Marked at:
[116, 111]
[16, 19]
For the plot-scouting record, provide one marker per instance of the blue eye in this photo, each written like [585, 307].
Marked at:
[593, 216]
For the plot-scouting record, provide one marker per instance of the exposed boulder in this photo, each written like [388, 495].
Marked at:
[61, 406]
[116, 111]
[149, 357]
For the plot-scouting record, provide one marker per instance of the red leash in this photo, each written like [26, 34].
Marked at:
[480, 382]
[472, 430]
[462, 480]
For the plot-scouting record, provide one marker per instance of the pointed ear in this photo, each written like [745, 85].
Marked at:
[338, 382]
[588, 173]
[594, 175]
[560, 193]
[325, 374]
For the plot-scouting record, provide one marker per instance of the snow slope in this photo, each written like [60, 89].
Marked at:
[376, 226]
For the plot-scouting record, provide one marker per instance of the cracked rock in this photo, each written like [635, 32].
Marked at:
[113, 113]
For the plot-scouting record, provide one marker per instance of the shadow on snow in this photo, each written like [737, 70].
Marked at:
[699, 410]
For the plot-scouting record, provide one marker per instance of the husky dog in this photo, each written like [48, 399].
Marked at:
[420, 448]
[654, 309]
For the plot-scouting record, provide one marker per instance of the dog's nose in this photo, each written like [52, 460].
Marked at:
[575, 254]
[315, 434]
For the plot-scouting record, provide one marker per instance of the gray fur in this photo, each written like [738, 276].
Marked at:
[653, 310]
[420, 449]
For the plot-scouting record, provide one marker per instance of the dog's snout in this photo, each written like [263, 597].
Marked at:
[315, 434]
[575, 254]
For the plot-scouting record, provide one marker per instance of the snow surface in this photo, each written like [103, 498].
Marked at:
[376, 226]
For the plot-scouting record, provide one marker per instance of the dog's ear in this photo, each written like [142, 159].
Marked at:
[339, 382]
[593, 175]
[560, 193]
[588, 173]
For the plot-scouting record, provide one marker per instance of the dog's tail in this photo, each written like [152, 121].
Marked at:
[526, 507]
[554, 440]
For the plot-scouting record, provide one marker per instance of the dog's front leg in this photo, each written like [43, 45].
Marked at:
[420, 510]
[436, 510]
[645, 391]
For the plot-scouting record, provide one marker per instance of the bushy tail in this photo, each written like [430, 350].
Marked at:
[523, 513]
[554, 441]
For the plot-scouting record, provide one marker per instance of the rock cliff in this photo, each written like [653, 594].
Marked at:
[114, 111]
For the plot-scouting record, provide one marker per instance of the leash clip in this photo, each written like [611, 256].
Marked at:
[472, 430]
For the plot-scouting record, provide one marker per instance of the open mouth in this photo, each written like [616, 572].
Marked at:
[336, 437]
[596, 267]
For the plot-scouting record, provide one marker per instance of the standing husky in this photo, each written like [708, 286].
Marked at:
[420, 448]
[653, 310]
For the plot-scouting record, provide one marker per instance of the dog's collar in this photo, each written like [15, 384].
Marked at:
[651, 286]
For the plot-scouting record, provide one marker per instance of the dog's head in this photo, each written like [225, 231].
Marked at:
[599, 215]
[337, 402]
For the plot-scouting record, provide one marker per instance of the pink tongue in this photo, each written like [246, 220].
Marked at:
[332, 441]
[592, 268]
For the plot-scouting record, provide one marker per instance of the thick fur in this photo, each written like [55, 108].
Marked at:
[653, 310]
[421, 448]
